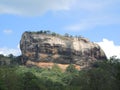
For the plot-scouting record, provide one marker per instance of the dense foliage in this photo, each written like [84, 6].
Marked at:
[102, 76]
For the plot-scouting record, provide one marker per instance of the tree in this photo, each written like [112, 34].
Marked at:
[1, 56]
[11, 56]
[48, 32]
[66, 35]
[54, 34]
[71, 69]
[31, 82]
[56, 68]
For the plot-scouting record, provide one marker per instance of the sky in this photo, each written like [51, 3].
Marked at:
[97, 20]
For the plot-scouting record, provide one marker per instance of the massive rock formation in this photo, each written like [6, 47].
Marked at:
[51, 47]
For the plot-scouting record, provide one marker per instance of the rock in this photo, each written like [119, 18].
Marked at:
[43, 47]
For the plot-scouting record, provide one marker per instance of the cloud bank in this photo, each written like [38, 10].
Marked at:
[93, 13]
[6, 51]
[110, 48]
[33, 7]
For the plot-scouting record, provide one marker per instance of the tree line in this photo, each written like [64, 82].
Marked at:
[103, 75]
[48, 32]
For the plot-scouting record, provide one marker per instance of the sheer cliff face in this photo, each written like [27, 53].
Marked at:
[39, 47]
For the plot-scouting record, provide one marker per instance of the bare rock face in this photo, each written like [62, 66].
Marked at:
[44, 47]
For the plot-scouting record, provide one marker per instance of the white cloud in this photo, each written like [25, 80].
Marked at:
[6, 51]
[7, 31]
[110, 48]
[33, 7]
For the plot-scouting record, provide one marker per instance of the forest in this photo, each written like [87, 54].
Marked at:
[103, 75]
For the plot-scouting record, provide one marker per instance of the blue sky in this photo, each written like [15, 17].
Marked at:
[98, 20]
